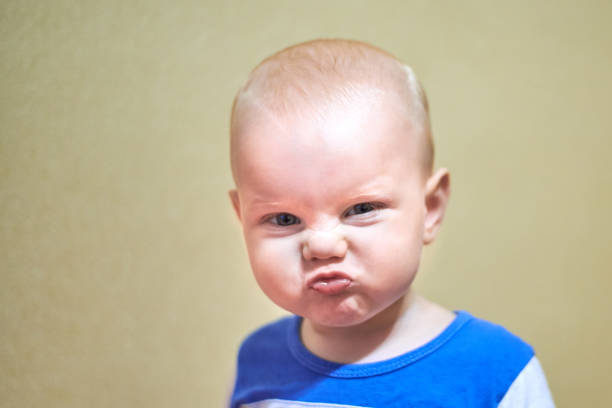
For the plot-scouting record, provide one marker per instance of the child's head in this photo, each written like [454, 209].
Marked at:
[332, 157]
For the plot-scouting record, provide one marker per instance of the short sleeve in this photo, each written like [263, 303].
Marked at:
[529, 389]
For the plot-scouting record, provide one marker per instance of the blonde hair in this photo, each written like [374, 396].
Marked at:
[310, 76]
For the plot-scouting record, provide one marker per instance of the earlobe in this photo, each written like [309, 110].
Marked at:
[233, 194]
[437, 194]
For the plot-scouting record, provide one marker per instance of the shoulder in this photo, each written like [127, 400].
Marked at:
[268, 339]
[265, 363]
[484, 357]
[492, 342]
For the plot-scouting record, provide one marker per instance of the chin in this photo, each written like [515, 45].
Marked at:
[343, 315]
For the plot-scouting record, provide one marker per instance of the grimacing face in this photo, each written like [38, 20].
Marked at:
[333, 210]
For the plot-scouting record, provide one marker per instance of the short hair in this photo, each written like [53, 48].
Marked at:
[316, 73]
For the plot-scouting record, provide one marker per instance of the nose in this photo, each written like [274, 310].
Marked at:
[324, 245]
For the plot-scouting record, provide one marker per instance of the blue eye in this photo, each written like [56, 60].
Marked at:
[360, 208]
[285, 219]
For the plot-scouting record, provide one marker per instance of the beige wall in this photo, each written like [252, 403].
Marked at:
[124, 280]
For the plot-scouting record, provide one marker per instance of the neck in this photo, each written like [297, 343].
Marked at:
[405, 325]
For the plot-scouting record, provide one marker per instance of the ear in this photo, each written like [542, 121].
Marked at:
[233, 194]
[437, 194]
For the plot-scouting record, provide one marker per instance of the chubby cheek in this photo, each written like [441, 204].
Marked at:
[275, 263]
[391, 252]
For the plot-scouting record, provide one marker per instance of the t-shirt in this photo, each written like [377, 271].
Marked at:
[472, 363]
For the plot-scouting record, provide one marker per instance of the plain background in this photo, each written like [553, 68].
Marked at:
[124, 281]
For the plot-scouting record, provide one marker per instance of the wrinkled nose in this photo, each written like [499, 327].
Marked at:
[324, 245]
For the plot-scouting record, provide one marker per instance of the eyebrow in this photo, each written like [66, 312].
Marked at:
[257, 203]
[372, 191]
[261, 205]
[368, 197]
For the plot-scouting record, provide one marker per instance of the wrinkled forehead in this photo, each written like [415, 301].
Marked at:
[370, 131]
[319, 112]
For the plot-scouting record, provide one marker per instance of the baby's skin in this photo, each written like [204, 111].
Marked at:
[336, 200]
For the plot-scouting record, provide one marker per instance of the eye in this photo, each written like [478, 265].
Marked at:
[284, 219]
[361, 208]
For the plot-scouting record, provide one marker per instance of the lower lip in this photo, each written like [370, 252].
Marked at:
[331, 286]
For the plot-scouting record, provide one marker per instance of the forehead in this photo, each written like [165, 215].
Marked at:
[364, 143]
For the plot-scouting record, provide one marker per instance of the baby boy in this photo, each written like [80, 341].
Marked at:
[332, 156]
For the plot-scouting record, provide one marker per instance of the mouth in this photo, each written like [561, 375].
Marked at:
[330, 283]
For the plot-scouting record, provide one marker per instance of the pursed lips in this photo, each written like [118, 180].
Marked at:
[329, 283]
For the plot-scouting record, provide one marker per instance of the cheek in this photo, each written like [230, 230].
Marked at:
[275, 263]
[396, 236]
[390, 250]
